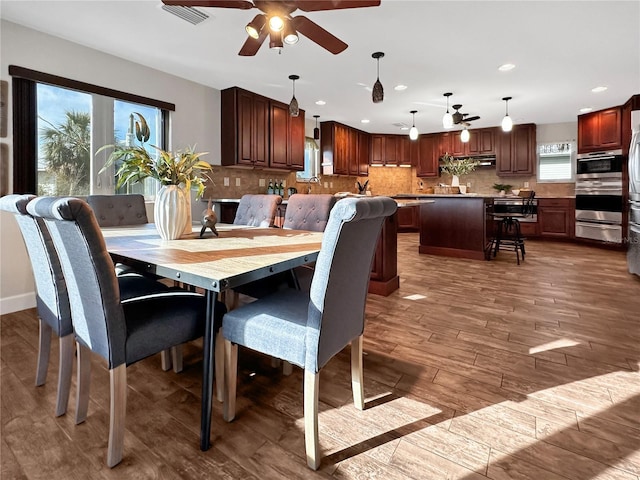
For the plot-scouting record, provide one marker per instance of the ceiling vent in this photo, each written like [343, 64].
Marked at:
[189, 14]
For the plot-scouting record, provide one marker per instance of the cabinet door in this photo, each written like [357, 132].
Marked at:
[523, 141]
[554, 221]
[260, 142]
[341, 150]
[414, 152]
[352, 151]
[363, 153]
[610, 131]
[390, 150]
[503, 153]
[429, 154]
[485, 141]
[445, 141]
[457, 146]
[279, 135]
[472, 147]
[403, 150]
[247, 127]
[296, 142]
[377, 150]
[588, 132]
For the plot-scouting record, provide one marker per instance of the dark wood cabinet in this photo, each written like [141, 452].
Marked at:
[481, 142]
[346, 148]
[516, 150]
[409, 218]
[601, 130]
[556, 217]
[259, 132]
[384, 270]
[429, 155]
[393, 150]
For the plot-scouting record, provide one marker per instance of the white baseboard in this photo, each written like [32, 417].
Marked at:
[17, 303]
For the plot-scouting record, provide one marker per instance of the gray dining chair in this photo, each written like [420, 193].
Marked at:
[308, 328]
[257, 210]
[121, 331]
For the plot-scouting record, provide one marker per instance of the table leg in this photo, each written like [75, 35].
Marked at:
[207, 372]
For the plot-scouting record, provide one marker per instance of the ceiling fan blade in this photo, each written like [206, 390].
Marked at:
[316, 33]
[471, 119]
[241, 4]
[318, 5]
[252, 45]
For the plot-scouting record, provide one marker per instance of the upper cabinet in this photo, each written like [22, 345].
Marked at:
[393, 150]
[344, 147]
[481, 142]
[259, 132]
[516, 150]
[429, 155]
[601, 130]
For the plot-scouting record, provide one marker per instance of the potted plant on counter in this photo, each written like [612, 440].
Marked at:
[457, 167]
[177, 173]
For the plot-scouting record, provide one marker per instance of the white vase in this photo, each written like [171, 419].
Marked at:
[455, 181]
[170, 212]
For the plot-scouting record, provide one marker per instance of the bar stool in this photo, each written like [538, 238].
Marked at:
[508, 233]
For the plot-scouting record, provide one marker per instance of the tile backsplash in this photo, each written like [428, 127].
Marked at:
[382, 181]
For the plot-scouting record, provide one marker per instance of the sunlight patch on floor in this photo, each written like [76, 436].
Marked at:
[561, 343]
[415, 296]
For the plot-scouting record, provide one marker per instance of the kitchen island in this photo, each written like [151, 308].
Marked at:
[455, 225]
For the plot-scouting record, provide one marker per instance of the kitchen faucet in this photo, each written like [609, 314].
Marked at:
[313, 179]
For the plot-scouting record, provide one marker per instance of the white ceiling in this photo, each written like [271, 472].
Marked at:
[561, 49]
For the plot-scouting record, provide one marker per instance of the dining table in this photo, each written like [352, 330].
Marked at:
[237, 256]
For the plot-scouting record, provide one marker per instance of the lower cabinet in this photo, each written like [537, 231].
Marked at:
[409, 219]
[556, 217]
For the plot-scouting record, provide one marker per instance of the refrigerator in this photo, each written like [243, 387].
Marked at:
[633, 253]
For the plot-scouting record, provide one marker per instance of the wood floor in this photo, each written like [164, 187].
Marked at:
[473, 370]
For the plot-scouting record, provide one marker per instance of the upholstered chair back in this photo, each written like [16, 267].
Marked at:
[52, 300]
[257, 210]
[118, 210]
[308, 212]
[341, 279]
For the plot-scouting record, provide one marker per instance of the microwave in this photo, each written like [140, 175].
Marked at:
[600, 164]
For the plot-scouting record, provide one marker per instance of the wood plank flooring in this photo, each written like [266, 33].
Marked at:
[472, 370]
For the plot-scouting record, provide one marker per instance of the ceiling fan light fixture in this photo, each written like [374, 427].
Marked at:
[275, 41]
[377, 94]
[316, 131]
[255, 26]
[294, 109]
[507, 123]
[276, 23]
[413, 131]
[447, 118]
[464, 135]
[289, 34]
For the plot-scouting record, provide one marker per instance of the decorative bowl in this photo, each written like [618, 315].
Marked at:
[516, 191]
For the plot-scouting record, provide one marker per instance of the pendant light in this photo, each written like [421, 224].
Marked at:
[464, 135]
[294, 111]
[316, 131]
[447, 119]
[507, 123]
[413, 131]
[377, 93]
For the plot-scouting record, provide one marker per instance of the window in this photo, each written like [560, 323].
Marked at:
[59, 124]
[311, 161]
[556, 162]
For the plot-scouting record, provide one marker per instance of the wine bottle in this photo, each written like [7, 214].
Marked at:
[270, 187]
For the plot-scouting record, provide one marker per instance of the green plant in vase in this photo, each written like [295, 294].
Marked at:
[178, 172]
[456, 167]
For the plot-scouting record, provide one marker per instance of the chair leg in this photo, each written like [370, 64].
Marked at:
[219, 365]
[117, 414]
[44, 348]
[165, 360]
[357, 376]
[311, 437]
[83, 372]
[65, 370]
[176, 357]
[230, 380]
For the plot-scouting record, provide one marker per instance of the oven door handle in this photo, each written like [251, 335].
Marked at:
[601, 225]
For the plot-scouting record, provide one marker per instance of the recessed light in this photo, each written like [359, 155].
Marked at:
[404, 128]
[598, 89]
[506, 67]
[400, 87]
[321, 102]
[585, 109]
[365, 120]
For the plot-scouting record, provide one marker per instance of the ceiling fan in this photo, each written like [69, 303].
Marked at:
[462, 118]
[276, 21]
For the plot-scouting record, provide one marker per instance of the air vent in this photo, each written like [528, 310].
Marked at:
[189, 14]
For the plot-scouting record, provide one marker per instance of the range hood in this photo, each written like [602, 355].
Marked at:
[486, 161]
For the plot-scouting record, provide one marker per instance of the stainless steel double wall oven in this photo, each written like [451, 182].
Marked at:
[599, 199]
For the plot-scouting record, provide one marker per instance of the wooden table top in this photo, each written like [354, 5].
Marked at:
[238, 255]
